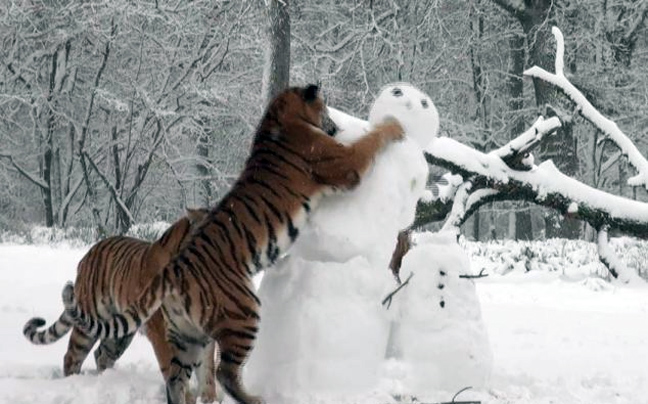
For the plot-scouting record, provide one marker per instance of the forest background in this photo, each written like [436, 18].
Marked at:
[118, 112]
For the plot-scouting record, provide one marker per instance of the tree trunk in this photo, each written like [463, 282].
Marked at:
[277, 68]
[522, 227]
[479, 88]
[48, 146]
[205, 193]
[561, 148]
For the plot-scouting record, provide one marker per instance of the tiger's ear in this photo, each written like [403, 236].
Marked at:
[311, 92]
[196, 215]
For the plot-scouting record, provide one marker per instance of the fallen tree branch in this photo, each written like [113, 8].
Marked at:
[545, 185]
[605, 125]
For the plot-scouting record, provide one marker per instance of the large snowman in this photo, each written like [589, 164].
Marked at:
[323, 331]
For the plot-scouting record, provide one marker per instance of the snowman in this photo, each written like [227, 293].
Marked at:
[323, 331]
[442, 341]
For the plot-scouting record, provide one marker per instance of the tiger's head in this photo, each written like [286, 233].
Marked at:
[299, 103]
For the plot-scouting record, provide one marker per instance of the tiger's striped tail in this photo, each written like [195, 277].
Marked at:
[50, 335]
[121, 324]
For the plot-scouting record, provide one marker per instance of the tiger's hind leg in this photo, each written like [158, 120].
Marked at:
[110, 350]
[235, 338]
[208, 388]
[79, 347]
[187, 357]
[156, 331]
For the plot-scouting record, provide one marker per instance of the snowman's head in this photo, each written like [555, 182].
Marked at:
[412, 108]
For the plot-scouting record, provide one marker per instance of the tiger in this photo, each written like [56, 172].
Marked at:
[110, 276]
[206, 291]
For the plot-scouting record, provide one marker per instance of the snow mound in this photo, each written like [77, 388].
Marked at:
[323, 330]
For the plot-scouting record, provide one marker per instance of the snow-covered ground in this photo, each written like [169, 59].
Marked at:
[557, 336]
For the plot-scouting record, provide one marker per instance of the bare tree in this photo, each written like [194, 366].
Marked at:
[96, 98]
[277, 68]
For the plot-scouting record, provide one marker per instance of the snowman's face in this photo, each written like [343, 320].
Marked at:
[411, 107]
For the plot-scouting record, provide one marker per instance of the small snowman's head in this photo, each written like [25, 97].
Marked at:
[412, 108]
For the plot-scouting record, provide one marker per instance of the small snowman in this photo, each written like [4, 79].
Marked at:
[443, 342]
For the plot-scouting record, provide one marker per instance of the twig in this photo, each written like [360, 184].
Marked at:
[480, 275]
[460, 391]
[388, 299]
[414, 400]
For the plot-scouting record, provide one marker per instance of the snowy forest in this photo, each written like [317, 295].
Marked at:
[119, 112]
[495, 255]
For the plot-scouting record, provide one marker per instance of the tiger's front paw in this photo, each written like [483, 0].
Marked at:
[391, 129]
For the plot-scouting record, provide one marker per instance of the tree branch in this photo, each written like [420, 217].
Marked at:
[545, 185]
[608, 127]
[111, 189]
[31, 177]
[617, 268]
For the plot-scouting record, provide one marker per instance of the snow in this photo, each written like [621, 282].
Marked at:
[556, 333]
[31, 279]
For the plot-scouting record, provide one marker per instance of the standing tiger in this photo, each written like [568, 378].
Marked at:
[207, 288]
[109, 278]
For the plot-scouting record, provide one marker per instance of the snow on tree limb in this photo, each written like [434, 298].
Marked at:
[608, 127]
[494, 164]
[487, 180]
[458, 211]
[516, 153]
[544, 185]
[560, 51]
[617, 268]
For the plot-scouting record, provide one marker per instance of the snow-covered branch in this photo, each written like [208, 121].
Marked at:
[516, 153]
[544, 185]
[494, 164]
[608, 127]
[617, 268]
[458, 211]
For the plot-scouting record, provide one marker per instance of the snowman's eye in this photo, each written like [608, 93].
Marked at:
[424, 103]
[397, 92]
